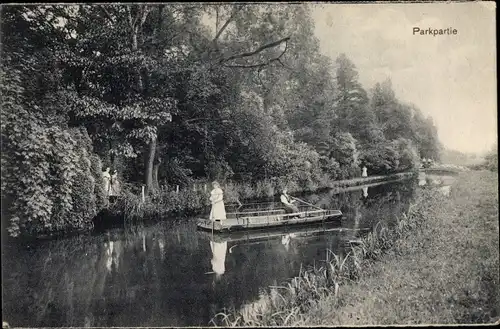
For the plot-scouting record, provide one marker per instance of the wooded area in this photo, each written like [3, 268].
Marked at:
[167, 94]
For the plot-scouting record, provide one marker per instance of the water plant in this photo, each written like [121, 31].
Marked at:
[286, 305]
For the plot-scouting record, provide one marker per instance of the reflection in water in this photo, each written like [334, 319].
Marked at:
[113, 250]
[422, 178]
[445, 190]
[285, 240]
[109, 254]
[153, 276]
[218, 257]
[365, 191]
[161, 246]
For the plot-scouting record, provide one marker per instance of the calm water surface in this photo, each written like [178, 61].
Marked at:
[170, 274]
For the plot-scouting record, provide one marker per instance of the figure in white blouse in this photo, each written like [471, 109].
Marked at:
[114, 187]
[217, 199]
[106, 178]
[365, 172]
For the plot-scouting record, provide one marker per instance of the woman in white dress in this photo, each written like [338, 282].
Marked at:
[106, 177]
[114, 188]
[217, 199]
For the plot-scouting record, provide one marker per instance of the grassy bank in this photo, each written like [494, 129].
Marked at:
[439, 264]
[193, 200]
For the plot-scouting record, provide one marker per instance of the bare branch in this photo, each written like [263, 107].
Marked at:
[278, 59]
[248, 66]
[285, 66]
[107, 14]
[235, 11]
[136, 18]
[258, 50]
[216, 18]
[260, 79]
[145, 13]
[160, 15]
[129, 16]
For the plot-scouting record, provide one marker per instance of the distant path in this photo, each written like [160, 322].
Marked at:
[370, 180]
[443, 170]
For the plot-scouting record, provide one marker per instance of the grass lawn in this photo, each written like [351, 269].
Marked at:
[447, 272]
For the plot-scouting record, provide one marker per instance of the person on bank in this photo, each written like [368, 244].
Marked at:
[217, 199]
[114, 187]
[106, 178]
[287, 202]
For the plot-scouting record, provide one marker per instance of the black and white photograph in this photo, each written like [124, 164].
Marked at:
[243, 164]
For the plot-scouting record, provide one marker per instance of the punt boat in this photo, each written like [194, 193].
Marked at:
[270, 217]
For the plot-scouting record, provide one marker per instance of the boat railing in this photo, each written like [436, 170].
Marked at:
[277, 213]
[255, 211]
[307, 213]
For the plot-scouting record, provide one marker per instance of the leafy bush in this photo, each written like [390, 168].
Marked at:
[380, 159]
[47, 183]
[407, 154]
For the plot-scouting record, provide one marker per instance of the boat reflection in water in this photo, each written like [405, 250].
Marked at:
[219, 243]
[293, 236]
[158, 275]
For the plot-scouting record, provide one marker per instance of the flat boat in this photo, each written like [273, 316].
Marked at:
[269, 218]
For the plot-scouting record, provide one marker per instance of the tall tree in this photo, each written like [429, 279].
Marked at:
[352, 104]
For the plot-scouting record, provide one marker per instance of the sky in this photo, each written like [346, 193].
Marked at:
[449, 77]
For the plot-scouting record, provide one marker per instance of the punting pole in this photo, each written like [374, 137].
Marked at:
[306, 203]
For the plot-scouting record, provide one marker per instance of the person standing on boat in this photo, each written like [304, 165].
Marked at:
[217, 199]
[287, 202]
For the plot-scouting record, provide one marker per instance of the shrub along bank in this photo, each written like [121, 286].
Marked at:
[190, 201]
[439, 264]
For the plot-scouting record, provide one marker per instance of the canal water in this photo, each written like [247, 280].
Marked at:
[170, 274]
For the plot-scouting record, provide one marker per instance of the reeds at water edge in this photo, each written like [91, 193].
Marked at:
[285, 305]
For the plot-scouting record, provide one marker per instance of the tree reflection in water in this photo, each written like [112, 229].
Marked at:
[155, 276]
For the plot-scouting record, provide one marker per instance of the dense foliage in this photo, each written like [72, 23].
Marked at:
[169, 94]
[489, 162]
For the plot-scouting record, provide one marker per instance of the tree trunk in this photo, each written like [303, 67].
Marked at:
[156, 167]
[156, 185]
[149, 165]
[135, 25]
[135, 47]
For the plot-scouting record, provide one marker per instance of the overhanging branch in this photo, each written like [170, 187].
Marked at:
[235, 11]
[145, 13]
[260, 65]
[129, 16]
[258, 50]
[107, 14]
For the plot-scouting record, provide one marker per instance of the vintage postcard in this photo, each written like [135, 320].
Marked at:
[199, 164]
